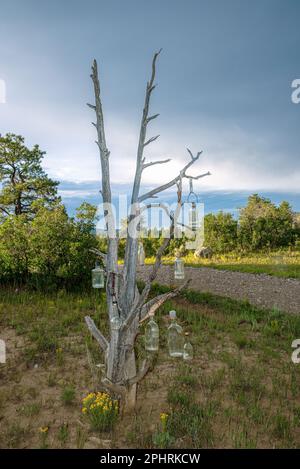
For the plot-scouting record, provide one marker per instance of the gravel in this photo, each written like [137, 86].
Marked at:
[261, 290]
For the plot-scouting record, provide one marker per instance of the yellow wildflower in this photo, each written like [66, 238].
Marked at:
[44, 429]
[164, 417]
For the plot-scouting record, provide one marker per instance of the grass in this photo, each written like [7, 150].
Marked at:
[284, 264]
[68, 395]
[241, 390]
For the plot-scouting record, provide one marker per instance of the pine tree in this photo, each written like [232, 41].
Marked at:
[24, 186]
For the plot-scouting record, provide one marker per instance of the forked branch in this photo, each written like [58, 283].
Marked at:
[181, 175]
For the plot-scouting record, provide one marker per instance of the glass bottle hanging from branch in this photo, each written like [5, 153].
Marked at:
[141, 254]
[194, 221]
[178, 268]
[98, 276]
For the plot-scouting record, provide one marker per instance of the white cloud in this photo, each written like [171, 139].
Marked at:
[237, 160]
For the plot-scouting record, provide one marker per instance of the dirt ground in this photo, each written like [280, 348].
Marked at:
[23, 386]
[240, 390]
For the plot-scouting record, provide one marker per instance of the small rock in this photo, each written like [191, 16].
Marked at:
[203, 252]
[94, 442]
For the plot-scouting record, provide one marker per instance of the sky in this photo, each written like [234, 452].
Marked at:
[224, 86]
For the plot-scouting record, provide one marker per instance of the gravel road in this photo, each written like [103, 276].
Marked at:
[259, 289]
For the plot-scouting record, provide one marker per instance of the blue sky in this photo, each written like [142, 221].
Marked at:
[224, 86]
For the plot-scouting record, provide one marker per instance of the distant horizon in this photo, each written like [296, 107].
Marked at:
[214, 201]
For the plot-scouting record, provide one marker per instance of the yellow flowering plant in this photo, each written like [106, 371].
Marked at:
[101, 410]
[43, 431]
[164, 419]
[162, 438]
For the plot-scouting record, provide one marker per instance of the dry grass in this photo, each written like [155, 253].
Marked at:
[278, 263]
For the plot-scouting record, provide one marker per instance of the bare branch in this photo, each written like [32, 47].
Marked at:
[4, 210]
[152, 117]
[100, 254]
[142, 138]
[153, 67]
[128, 293]
[152, 163]
[98, 109]
[200, 175]
[96, 333]
[152, 139]
[151, 306]
[112, 250]
[192, 156]
[174, 181]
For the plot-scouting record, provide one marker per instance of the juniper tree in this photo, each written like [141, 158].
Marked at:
[25, 185]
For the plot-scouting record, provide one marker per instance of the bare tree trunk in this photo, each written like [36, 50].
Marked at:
[126, 306]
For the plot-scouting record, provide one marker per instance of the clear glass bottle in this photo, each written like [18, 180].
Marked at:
[152, 336]
[98, 276]
[175, 337]
[115, 323]
[188, 351]
[178, 269]
[141, 254]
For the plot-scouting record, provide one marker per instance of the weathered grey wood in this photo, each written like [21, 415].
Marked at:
[152, 163]
[96, 333]
[130, 261]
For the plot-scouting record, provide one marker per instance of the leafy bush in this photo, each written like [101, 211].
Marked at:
[220, 232]
[263, 225]
[49, 250]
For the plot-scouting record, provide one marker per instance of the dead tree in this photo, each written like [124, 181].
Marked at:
[126, 306]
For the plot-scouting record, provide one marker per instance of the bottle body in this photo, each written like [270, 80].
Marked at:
[179, 269]
[152, 336]
[193, 217]
[98, 277]
[115, 323]
[175, 337]
[188, 352]
[141, 254]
